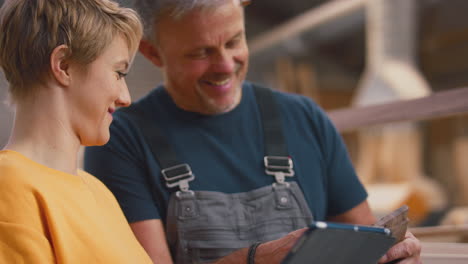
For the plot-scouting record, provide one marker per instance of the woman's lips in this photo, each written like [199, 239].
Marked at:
[111, 110]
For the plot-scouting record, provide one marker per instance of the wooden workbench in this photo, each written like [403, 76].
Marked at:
[444, 253]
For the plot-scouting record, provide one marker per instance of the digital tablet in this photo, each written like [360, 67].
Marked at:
[335, 243]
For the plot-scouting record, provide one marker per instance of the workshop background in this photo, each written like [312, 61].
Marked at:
[357, 53]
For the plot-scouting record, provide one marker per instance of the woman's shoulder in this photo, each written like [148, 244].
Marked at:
[19, 191]
[21, 216]
[98, 187]
[20, 172]
[15, 171]
[29, 185]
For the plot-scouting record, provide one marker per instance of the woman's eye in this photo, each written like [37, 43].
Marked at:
[121, 75]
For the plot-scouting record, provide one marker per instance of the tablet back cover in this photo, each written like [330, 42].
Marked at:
[338, 246]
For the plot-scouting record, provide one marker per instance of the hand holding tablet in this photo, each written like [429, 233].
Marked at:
[337, 243]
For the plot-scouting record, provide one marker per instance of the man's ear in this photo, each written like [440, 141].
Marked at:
[59, 65]
[150, 52]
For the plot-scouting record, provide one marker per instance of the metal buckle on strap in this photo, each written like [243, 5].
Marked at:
[279, 166]
[178, 175]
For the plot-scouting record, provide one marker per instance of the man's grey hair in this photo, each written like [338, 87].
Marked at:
[151, 11]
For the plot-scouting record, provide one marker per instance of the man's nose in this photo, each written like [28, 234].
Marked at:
[223, 62]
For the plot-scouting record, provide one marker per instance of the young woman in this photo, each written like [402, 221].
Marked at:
[65, 61]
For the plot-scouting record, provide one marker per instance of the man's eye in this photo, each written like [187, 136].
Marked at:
[199, 54]
[233, 43]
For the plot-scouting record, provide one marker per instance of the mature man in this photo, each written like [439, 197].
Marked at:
[207, 163]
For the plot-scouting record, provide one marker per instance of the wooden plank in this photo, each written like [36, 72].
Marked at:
[285, 75]
[445, 230]
[307, 82]
[444, 253]
[460, 152]
[444, 248]
[332, 99]
[444, 259]
[450, 60]
[441, 104]
[308, 20]
[439, 159]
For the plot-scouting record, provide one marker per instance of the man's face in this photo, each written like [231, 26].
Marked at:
[204, 58]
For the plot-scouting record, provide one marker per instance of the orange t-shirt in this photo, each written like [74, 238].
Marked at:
[49, 216]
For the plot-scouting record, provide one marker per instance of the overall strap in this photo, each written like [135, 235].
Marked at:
[174, 172]
[277, 160]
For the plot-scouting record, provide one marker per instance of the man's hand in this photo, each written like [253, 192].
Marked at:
[408, 250]
[275, 251]
[267, 253]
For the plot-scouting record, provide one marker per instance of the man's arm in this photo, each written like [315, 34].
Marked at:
[151, 235]
[409, 249]
[267, 253]
[274, 251]
[360, 215]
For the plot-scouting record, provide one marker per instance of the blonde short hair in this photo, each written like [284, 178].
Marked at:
[32, 29]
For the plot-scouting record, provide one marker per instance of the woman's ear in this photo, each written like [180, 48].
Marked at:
[60, 65]
[150, 52]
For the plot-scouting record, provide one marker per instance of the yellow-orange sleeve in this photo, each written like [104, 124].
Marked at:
[21, 244]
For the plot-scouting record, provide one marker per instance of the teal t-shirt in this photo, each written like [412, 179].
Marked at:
[226, 154]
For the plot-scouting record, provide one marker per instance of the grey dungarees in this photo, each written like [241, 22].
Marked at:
[203, 226]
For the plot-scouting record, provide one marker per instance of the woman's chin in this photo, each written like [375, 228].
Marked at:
[96, 141]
